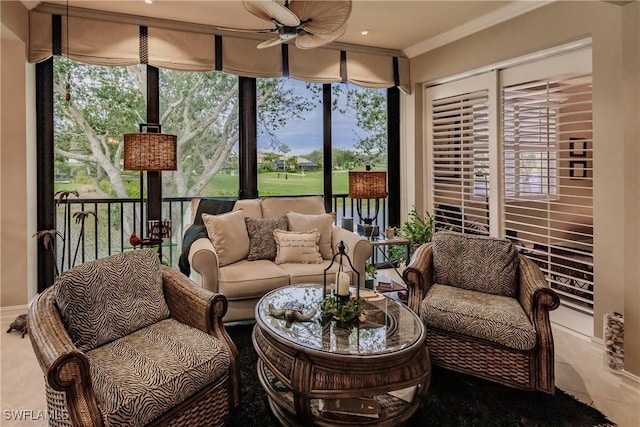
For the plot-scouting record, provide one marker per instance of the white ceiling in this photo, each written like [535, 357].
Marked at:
[412, 27]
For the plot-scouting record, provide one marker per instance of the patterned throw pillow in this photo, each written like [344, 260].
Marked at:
[297, 247]
[322, 223]
[103, 300]
[477, 263]
[262, 243]
[228, 234]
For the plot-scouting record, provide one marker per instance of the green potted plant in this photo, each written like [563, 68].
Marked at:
[417, 229]
[371, 272]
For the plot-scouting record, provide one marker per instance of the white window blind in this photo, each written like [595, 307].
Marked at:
[460, 144]
[548, 176]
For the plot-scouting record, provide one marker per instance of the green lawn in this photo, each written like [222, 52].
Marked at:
[269, 184]
[274, 183]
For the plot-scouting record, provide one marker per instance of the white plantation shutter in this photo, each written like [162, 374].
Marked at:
[548, 171]
[460, 147]
[533, 178]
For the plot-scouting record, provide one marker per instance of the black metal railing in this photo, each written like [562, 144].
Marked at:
[95, 228]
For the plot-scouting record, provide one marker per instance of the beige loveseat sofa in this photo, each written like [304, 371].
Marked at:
[243, 282]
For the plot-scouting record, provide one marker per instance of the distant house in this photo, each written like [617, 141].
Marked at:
[303, 163]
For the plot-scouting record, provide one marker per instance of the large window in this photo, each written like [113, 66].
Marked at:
[201, 108]
[290, 137]
[94, 106]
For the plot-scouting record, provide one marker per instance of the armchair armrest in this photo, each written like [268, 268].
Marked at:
[204, 261]
[534, 293]
[538, 299]
[201, 309]
[360, 249]
[419, 275]
[66, 368]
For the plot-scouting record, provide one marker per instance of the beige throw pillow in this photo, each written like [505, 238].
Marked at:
[322, 223]
[297, 247]
[228, 234]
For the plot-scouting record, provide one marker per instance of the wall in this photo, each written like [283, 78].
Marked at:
[631, 103]
[616, 242]
[15, 237]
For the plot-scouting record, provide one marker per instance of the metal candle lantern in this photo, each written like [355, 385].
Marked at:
[340, 256]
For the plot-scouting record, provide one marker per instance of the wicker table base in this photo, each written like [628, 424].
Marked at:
[321, 386]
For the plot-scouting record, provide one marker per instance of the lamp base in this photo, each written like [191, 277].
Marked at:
[368, 230]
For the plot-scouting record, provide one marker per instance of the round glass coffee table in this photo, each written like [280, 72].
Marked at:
[375, 373]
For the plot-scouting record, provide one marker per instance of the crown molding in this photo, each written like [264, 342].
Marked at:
[480, 23]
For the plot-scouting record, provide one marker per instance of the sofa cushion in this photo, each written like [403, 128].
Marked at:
[312, 273]
[478, 263]
[106, 299]
[321, 222]
[250, 279]
[142, 375]
[297, 246]
[273, 207]
[262, 243]
[250, 207]
[228, 234]
[495, 318]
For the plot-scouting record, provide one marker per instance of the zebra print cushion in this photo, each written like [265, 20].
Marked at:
[142, 375]
[103, 300]
[478, 263]
[491, 317]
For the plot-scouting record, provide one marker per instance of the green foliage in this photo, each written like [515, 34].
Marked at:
[396, 255]
[265, 167]
[345, 159]
[417, 229]
[370, 269]
[345, 313]
[292, 163]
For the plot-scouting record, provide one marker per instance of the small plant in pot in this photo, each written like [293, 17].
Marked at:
[371, 272]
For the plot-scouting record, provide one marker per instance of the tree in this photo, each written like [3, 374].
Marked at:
[200, 108]
[345, 159]
[271, 158]
[292, 163]
[370, 107]
[284, 149]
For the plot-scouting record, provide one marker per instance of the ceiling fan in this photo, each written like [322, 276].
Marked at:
[311, 23]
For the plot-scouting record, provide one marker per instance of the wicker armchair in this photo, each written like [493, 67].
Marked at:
[486, 309]
[126, 341]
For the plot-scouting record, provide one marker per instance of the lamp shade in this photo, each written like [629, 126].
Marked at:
[150, 151]
[367, 184]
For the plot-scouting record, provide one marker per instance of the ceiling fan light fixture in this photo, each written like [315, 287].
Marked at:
[312, 23]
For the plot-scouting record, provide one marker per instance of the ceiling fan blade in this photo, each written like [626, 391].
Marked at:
[311, 41]
[244, 30]
[325, 17]
[270, 10]
[271, 42]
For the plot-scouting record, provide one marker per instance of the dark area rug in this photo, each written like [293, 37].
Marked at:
[453, 400]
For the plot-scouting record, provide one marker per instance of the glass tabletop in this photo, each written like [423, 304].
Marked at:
[389, 326]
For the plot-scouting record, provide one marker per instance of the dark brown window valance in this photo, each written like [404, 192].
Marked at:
[102, 42]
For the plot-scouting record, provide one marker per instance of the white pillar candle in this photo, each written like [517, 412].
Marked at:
[343, 281]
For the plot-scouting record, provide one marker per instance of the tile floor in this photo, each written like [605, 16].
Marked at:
[579, 372]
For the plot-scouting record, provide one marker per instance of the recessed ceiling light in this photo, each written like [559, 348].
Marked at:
[148, 1]
[364, 32]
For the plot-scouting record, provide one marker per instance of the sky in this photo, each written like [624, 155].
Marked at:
[305, 136]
